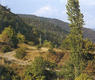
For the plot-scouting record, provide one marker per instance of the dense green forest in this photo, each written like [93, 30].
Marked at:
[37, 48]
[46, 22]
[51, 31]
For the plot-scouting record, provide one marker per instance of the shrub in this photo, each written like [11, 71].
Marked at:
[36, 70]
[47, 44]
[7, 73]
[39, 70]
[21, 38]
[84, 77]
[20, 53]
[5, 48]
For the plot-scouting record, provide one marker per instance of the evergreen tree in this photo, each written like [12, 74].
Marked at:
[76, 38]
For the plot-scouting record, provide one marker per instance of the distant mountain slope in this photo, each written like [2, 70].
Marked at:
[93, 29]
[88, 33]
[51, 31]
[32, 20]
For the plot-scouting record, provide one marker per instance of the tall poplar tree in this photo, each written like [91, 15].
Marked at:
[76, 38]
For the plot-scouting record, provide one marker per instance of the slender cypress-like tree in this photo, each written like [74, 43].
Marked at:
[76, 38]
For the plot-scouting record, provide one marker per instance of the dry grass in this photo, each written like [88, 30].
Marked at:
[32, 52]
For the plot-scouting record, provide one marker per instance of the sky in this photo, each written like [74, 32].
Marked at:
[52, 9]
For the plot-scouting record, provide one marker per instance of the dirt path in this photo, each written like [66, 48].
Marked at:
[10, 56]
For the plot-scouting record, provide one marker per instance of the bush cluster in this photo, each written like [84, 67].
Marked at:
[20, 53]
[5, 48]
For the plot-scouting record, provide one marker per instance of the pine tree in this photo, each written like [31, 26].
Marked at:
[76, 38]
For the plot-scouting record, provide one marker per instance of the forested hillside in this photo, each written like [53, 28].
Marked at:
[47, 23]
[51, 31]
